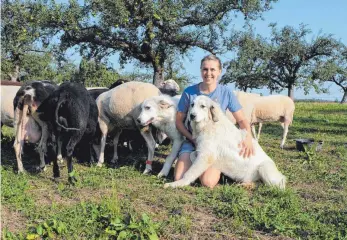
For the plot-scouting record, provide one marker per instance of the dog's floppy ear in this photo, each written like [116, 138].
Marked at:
[214, 113]
[164, 104]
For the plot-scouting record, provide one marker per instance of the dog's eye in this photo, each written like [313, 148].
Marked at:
[147, 108]
[192, 105]
[203, 106]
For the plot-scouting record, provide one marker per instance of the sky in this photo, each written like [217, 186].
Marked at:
[325, 17]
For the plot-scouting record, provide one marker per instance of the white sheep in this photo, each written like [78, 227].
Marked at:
[169, 87]
[118, 109]
[273, 108]
[247, 101]
[7, 111]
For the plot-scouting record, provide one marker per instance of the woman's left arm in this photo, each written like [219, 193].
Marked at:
[246, 145]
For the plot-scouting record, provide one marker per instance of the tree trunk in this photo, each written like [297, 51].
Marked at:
[158, 74]
[15, 75]
[344, 98]
[291, 91]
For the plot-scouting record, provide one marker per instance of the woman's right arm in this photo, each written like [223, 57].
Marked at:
[180, 117]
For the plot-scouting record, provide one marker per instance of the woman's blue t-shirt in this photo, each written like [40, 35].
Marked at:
[222, 95]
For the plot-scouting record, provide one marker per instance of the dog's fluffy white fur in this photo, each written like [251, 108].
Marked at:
[217, 145]
[161, 112]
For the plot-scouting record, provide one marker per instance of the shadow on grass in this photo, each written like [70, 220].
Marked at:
[30, 157]
[136, 158]
[333, 111]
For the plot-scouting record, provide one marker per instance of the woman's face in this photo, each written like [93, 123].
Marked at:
[210, 71]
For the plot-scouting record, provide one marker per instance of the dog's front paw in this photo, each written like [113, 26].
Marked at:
[163, 173]
[99, 164]
[167, 185]
[160, 175]
[248, 185]
[147, 171]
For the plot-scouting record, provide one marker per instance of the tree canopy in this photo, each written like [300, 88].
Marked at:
[285, 61]
[19, 36]
[144, 30]
[334, 70]
[248, 69]
[95, 74]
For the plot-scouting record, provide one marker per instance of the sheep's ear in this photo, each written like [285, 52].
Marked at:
[164, 104]
[214, 114]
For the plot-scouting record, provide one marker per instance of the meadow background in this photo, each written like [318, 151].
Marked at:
[123, 203]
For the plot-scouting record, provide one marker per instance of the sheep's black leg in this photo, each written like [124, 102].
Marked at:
[51, 156]
[75, 138]
[71, 173]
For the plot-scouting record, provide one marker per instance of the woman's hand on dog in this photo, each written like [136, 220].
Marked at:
[247, 148]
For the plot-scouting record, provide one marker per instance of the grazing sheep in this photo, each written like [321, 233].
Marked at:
[118, 82]
[27, 100]
[118, 109]
[130, 137]
[273, 108]
[96, 91]
[70, 115]
[247, 101]
[169, 87]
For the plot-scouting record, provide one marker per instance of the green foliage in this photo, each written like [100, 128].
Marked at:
[20, 35]
[95, 74]
[146, 31]
[284, 61]
[248, 69]
[14, 190]
[47, 229]
[130, 228]
[334, 70]
[173, 70]
[293, 59]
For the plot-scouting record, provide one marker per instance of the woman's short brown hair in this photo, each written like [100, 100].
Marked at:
[211, 57]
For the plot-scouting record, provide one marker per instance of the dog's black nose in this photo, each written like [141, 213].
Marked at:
[138, 120]
[192, 116]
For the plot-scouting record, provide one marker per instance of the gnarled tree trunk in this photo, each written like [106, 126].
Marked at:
[15, 75]
[291, 91]
[158, 73]
[344, 98]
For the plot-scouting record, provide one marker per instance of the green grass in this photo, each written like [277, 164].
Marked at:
[122, 203]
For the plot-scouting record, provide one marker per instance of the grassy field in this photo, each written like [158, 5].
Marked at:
[122, 203]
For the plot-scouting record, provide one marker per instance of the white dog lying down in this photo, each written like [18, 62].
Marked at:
[217, 145]
[161, 112]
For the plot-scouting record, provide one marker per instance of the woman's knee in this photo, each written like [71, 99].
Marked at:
[210, 178]
[182, 165]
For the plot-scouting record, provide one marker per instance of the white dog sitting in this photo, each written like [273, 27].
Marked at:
[161, 112]
[217, 145]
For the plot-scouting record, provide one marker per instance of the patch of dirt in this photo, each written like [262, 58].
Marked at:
[14, 221]
[262, 236]
[311, 192]
[46, 198]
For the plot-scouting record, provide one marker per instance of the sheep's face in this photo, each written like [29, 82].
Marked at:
[169, 87]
